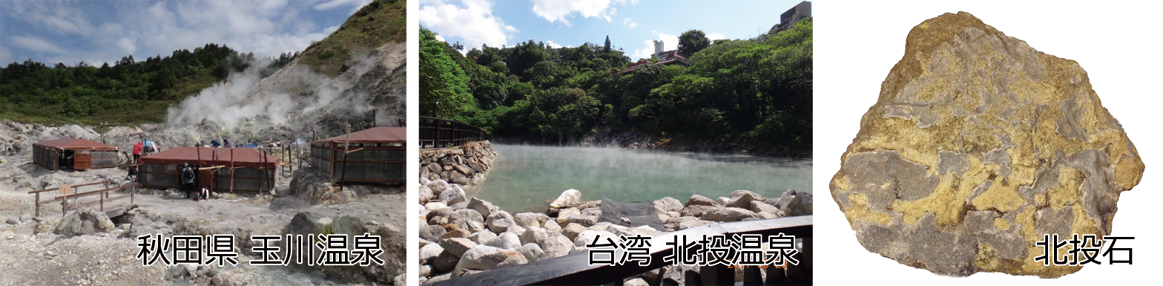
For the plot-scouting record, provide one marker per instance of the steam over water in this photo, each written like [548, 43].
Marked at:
[523, 178]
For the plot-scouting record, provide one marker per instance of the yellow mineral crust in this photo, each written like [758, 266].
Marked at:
[977, 146]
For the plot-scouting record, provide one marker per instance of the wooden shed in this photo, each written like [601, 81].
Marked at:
[74, 154]
[374, 155]
[219, 169]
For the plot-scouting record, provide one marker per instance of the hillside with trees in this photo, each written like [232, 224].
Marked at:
[750, 90]
[126, 92]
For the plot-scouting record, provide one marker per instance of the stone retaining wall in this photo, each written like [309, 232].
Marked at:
[467, 165]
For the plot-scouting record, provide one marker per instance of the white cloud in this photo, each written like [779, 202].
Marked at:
[36, 45]
[440, 38]
[474, 23]
[630, 23]
[148, 28]
[551, 44]
[59, 17]
[555, 10]
[5, 55]
[715, 37]
[127, 45]
[332, 4]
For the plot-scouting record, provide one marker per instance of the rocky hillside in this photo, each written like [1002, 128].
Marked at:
[336, 82]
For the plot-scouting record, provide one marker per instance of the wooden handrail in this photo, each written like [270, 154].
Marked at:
[102, 194]
[58, 188]
[438, 132]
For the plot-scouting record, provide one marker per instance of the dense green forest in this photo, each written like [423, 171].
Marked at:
[751, 90]
[125, 92]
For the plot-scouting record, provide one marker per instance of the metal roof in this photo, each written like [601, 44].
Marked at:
[75, 144]
[241, 157]
[371, 135]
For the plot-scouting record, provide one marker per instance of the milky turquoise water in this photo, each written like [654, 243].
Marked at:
[524, 178]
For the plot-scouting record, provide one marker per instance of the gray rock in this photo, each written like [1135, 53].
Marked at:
[457, 246]
[429, 252]
[432, 206]
[794, 203]
[684, 222]
[762, 207]
[349, 225]
[506, 240]
[568, 198]
[668, 204]
[552, 226]
[588, 237]
[85, 221]
[455, 233]
[500, 221]
[527, 220]
[572, 230]
[697, 210]
[485, 257]
[636, 282]
[743, 199]
[452, 195]
[309, 223]
[484, 207]
[728, 214]
[699, 200]
[26, 218]
[482, 236]
[445, 262]
[532, 252]
[438, 187]
[534, 235]
[565, 213]
[432, 233]
[556, 245]
[466, 219]
[426, 194]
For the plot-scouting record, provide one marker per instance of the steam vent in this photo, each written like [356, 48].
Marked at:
[977, 146]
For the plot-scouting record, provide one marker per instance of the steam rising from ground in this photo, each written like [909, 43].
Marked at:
[293, 97]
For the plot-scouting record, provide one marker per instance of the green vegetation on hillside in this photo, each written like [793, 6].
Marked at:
[127, 92]
[375, 24]
[752, 90]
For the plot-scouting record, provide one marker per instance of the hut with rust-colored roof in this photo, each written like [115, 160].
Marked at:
[74, 154]
[374, 155]
[218, 169]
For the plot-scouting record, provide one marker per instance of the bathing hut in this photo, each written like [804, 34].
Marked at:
[74, 154]
[218, 169]
[373, 155]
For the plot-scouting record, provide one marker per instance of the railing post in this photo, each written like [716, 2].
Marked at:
[37, 204]
[717, 275]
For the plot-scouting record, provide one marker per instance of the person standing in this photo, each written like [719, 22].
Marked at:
[136, 152]
[187, 179]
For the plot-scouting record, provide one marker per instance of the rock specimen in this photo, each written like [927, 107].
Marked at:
[977, 146]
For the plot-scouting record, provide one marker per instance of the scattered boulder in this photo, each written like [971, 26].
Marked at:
[457, 245]
[483, 257]
[484, 207]
[699, 200]
[728, 214]
[85, 221]
[500, 221]
[568, 198]
[453, 195]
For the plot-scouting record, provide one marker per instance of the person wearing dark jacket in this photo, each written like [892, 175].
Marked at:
[187, 179]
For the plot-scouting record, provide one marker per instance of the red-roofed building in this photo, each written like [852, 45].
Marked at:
[219, 169]
[74, 154]
[374, 155]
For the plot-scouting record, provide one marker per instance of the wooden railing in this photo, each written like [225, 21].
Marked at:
[73, 192]
[574, 269]
[439, 133]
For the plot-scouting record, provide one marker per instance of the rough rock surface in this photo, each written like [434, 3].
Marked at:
[977, 146]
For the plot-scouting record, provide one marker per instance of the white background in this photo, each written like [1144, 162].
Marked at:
[858, 42]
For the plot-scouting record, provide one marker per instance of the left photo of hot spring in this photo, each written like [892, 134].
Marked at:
[199, 142]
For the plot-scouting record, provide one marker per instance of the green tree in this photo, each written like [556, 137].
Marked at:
[443, 92]
[691, 42]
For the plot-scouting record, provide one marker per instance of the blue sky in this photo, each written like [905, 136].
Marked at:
[53, 31]
[630, 24]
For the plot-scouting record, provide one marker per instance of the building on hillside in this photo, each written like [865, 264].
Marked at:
[670, 57]
[74, 154]
[788, 19]
[218, 169]
[374, 155]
